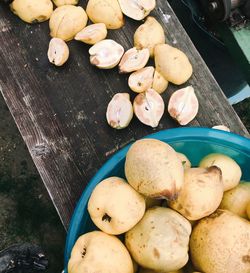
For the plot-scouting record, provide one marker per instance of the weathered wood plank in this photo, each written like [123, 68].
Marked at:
[41, 131]
[60, 112]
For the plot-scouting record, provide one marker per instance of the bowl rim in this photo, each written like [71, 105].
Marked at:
[170, 135]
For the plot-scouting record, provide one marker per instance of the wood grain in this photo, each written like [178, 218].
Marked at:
[60, 112]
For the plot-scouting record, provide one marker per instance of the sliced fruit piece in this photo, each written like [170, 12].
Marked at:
[149, 107]
[183, 105]
[137, 9]
[106, 54]
[142, 79]
[120, 111]
[92, 34]
[133, 60]
[58, 52]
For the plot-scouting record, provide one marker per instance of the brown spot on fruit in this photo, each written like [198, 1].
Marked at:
[216, 214]
[214, 169]
[246, 259]
[179, 207]
[187, 212]
[166, 194]
[106, 218]
[84, 252]
[156, 253]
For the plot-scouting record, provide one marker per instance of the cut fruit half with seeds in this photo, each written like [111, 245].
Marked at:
[58, 52]
[141, 80]
[106, 54]
[137, 9]
[133, 60]
[149, 107]
[183, 105]
[119, 111]
[92, 34]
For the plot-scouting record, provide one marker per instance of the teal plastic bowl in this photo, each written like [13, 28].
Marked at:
[195, 143]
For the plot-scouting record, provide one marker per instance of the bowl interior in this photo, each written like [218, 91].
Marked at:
[195, 143]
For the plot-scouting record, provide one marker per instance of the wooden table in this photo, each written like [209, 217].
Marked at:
[60, 112]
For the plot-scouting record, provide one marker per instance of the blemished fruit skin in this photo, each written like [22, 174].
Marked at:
[31, 12]
[231, 171]
[248, 211]
[172, 63]
[107, 12]
[66, 21]
[153, 168]
[201, 193]
[221, 243]
[115, 207]
[149, 34]
[160, 240]
[97, 251]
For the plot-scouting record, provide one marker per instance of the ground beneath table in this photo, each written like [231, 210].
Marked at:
[26, 212]
[243, 110]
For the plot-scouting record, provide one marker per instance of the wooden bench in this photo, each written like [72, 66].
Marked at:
[60, 112]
